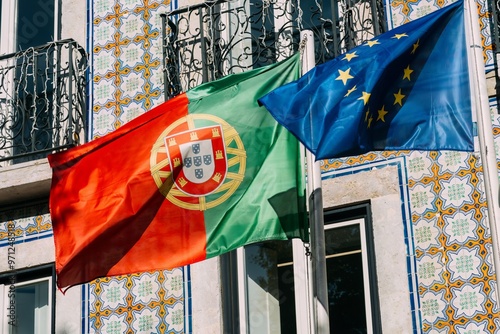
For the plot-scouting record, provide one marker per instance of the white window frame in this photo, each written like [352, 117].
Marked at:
[303, 282]
[302, 287]
[8, 42]
[5, 297]
[9, 24]
[364, 261]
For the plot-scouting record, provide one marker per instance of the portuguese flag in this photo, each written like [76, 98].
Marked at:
[202, 174]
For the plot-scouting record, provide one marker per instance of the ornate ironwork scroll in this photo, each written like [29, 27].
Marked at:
[216, 38]
[42, 100]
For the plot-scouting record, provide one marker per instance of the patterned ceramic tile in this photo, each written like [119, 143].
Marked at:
[457, 191]
[429, 270]
[460, 228]
[28, 223]
[433, 305]
[445, 330]
[426, 233]
[419, 165]
[473, 327]
[126, 82]
[127, 73]
[464, 264]
[450, 237]
[139, 303]
[468, 301]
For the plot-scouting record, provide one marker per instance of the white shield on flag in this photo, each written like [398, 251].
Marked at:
[198, 160]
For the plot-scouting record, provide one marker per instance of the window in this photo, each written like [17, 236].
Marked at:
[26, 300]
[274, 286]
[26, 23]
[350, 261]
[27, 78]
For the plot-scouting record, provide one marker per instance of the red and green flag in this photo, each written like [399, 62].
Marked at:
[202, 174]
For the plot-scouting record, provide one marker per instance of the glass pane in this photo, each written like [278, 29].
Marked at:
[270, 284]
[34, 78]
[345, 280]
[35, 23]
[32, 308]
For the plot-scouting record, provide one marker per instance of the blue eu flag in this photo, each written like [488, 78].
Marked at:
[407, 89]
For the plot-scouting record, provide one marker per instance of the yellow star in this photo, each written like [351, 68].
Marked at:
[372, 43]
[349, 56]
[415, 46]
[366, 115]
[399, 98]
[365, 97]
[370, 121]
[350, 91]
[344, 76]
[399, 36]
[408, 71]
[381, 114]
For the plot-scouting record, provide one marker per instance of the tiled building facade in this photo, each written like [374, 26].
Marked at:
[433, 245]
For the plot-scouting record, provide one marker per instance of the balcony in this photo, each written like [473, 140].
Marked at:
[42, 101]
[210, 40]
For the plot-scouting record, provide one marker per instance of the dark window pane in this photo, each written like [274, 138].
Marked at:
[35, 25]
[345, 280]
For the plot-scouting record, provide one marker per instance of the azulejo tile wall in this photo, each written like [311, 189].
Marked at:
[138, 303]
[126, 82]
[126, 56]
[27, 223]
[451, 240]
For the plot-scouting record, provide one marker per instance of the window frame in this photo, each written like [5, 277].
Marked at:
[349, 213]
[8, 24]
[234, 276]
[26, 276]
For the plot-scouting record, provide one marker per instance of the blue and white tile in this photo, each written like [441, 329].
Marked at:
[468, 300]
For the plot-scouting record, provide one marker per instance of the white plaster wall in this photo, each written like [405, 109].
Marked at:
[185, 3]
[28, 254]
[360, 186]
[21, 182]
[206, 296]
[74, 20]
[37, 252]
[392, 271]
[68, 311]
[381, 187]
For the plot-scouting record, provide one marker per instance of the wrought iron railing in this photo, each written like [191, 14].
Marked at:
[493, 15]
[42, 100]
[216, 38]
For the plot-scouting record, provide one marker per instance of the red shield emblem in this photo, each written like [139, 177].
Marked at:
[198, 159]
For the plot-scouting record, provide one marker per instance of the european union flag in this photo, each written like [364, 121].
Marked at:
[407, 89]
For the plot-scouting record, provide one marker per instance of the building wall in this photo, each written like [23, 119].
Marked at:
[432, 239]
[24, 192]
[126, 81]
[449, 241]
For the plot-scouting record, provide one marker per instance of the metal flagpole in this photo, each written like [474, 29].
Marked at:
[480, 104]
[321, 321]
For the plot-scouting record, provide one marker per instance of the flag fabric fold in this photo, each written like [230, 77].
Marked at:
[202, 174]
[407, 89]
